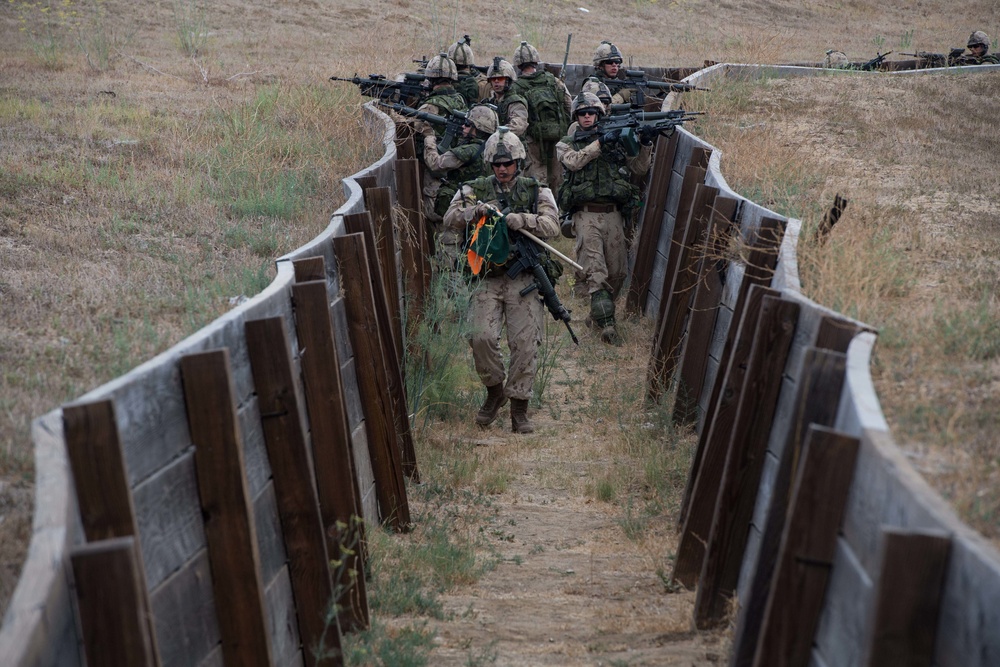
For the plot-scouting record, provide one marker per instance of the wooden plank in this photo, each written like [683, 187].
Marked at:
[908, 597]
[391, 356]
[412, 241]
[373, 383]
[294, 482]
[707, 296]
[366, 183]
[184, 614]
[694, 176]
[380, 204]
[807, 549]
[740, 481]
[761, 260]
[107, 508]
[333, 457]
[652, 222]
[229, 526]
[309, 268]
[836, 333]
[817, 400]
[111, 599]
[663, 359]
[710, 456]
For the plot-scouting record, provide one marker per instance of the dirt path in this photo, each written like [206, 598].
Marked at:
[584, 540]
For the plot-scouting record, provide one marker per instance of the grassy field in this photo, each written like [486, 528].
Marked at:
[154, 163]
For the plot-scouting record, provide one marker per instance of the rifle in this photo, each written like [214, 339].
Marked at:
[562, 72]
[637, 81]
[411, 89]
[874, 63]
[938, 59]
[452, 125]
[525, 255]
[630, 123]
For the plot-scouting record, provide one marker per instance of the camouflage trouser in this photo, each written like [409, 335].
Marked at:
[494, 302]
[551, 177]
[601, 249]
[430, 188]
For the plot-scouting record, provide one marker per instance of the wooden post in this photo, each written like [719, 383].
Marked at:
[710, 456]
[737, 493]
[110, 595]
[294, 485]
[230, 531]
[361, 223]
[836, 334]
[308, 269]
[405, 148]
[694, 175]
[366, 183]
[908, 600]
[760, 265]
[333, 457]
[413, 240]
[380, 204]
[663, 359]
[652, 221]
[807, 547]
[373, 383]
[704, 308]
[817, 400]
[103, 493]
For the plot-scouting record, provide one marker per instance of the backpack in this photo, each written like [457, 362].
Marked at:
[548, 119]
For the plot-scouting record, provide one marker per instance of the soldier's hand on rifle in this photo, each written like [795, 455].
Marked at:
[423, 127]
[515, 221]
[647, 135]
[609, 138]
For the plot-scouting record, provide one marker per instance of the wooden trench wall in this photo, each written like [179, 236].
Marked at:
[799, 504]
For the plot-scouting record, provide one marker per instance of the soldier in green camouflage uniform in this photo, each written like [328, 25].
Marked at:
[512, 110]
[596, 191]
[979, 46]
[499, 300]
[457, 165]
[607, 63]
[442, 74]
[545, 126]
[472, 84]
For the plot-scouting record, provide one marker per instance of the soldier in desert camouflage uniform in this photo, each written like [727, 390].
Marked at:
[472, 84]
[512, 110]
[607, 64]
[545, 125]
[596, 191]
[978, 46]
[498, 300]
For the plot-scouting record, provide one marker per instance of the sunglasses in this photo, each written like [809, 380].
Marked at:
[504, 165]
[587, 112]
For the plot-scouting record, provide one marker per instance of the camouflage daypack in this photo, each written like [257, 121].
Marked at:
[548, 118]
[468, 88]
[472, 168]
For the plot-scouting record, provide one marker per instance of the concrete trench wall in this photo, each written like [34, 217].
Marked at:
[39, 627]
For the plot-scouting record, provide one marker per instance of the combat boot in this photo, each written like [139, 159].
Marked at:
[519, 422]
[602, 313]
[495, 400]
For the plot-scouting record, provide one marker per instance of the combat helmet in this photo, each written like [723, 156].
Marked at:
[501, 67]
[836, 59]
[585, 100]
[461, 52]
[597, 87]
[484, 118]
[503, 145]
[978, 38]
[607, 52]
[525, 54]
[441, 67]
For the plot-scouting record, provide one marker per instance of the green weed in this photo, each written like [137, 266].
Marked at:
[190, 27]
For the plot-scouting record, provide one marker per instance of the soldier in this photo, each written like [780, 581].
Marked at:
[442, 74]
[607, 64]
[979, 46]
[594, 85]
[512, 110]
[549, 105]
[472, 85]
[836, 60]
[457, 165]
[500, 300]
[596, 191]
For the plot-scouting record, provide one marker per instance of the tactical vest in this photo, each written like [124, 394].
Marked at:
[446, 100]
[472, 168]
[601, 181]
[547, 114]
[503, 107]
[522, 198]
[468, 88]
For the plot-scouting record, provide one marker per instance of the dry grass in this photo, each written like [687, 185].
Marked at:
[140, 192]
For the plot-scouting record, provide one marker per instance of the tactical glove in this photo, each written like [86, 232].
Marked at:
[609, 138]
[647, 135]
[515, 221]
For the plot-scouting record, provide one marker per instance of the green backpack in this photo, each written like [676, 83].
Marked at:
[548, 119]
